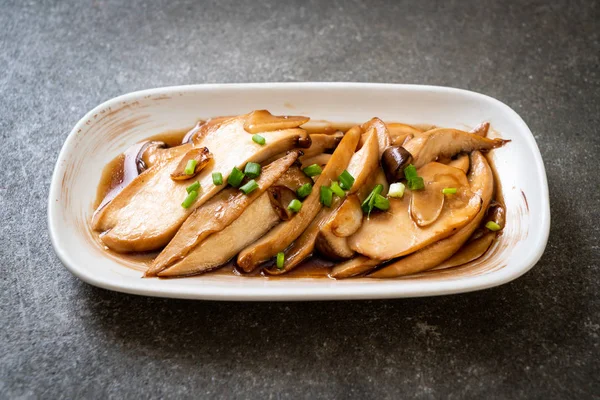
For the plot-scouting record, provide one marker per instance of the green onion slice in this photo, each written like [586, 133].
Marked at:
[295, 205]
[190, 199]
[312, 170]
[326, 196]
[396, 190]
[337, 190]
[236, 177]
[449, 190]
[410, 172]
[259, 139]
[190, 167]
[249, 187]
[252, 170]
[381, 202]
[217, 178]
[280, 260]
[346, 180]
[415, 183]
[304, 190]
[194, 187]
[492, 226]
[369, 203]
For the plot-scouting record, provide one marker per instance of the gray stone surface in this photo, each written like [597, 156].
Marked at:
[537, 337]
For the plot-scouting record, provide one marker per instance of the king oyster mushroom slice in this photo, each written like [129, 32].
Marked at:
[469, 252]
[399, 133]
[125, 221]
[201, 155]
[481, 180]
[380, 238]
[222, 246]
[263, 121]
[461, 162]
[280, 237]
[481, 129]
[216, 214]
[320, 159]
[321, 143]
[383, 136]
[293, 178]
[442, 142]
[427, 204]
[355, 266]
[281, 197]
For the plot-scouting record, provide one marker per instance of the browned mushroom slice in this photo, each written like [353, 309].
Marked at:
[321, 143]
[383, 136]
[263, 121]
[320, 159]
[399, 133]
[348, 217]
[220, 247]
[365, 161]
[203, 128]
[482, 183]
[332, 246]
[216, 214]
[200, 155]
[355, 266]
[427, 204]
[469, 252]
[147, 213]
[481, 129]
[293, 178]
[281, 197]
[444, 142]
[280, 237]
[461, 162]
[379, 236]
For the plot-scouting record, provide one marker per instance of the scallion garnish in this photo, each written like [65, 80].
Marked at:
[312, 170]
[259, 139]
[396, 190]
[304, 190]
[493, 226]
[190, 167]
[249, 187]
[236, 177]
[280, 259]
[252, 170]
[295, 205]
[369, 203]
[381, 202]
[326, 196]
[346, 180]
[449, 190]
[190, 199]
[337, 190]
[194, 187]
[413, 180]
[217, 178]
[410, 172]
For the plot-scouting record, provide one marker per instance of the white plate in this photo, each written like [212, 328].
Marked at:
[114, 125]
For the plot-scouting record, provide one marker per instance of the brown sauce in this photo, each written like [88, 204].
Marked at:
[119, 172]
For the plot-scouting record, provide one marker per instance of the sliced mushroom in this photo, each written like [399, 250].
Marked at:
[293, 178]
[216, 214]
[365, 161]
[281, 197]
[427, 204]
[202, 157]
[394, 160]
[321, 143]
[399, 133]
[355, 266]
[147, 213]
[222, 246]
[151, 152]
[469, 252]
[320, 159]
[444, 142]
[461, 162]
[263, 121]
[481, 129]
[331, 246]
[383, 136]
[380, 238]
[347, 218]
[481, 180]
[280, 237]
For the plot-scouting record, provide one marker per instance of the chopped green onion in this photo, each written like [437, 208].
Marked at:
[346, 180]
[337, 190]
[190, 199]
[381, 202]
[236, 177]
[449, 190]
[259, 139]
[410, 172]
[368, 204]
[249, 187]
[396, 190]
[280, 259]
[252, 170]
[492, 226]
[416, 183]
[295, 205]
[326, 196]
[194, 187]
[304, 190]
[312, 170]
[217, 178]
[190, 167]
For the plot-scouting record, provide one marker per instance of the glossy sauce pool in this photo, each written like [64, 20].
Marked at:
[121, 167]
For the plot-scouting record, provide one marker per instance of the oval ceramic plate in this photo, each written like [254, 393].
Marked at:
[114, 125]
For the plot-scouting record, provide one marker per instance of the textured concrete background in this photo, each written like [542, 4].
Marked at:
[537, 337]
